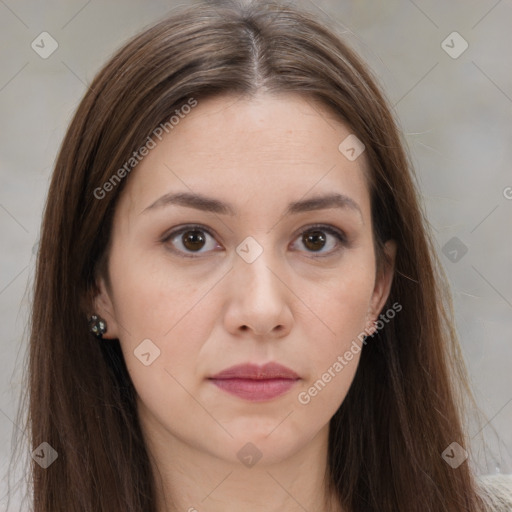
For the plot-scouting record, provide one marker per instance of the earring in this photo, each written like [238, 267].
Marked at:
[97, 326]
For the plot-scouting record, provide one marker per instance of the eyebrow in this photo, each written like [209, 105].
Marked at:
[209, 204]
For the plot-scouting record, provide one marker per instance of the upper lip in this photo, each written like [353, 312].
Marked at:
[257, 372]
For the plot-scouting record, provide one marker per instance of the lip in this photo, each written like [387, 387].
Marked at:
[256, 383]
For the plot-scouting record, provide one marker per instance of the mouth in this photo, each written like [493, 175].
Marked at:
[256, 383]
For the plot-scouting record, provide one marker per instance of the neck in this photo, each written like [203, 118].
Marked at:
[189, 479]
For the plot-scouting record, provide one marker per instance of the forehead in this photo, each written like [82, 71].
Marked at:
[244, 150]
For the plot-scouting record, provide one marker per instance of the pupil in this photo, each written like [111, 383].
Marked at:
[193, 239]
[315, 240]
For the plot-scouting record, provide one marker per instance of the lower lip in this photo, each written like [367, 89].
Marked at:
[255, 390]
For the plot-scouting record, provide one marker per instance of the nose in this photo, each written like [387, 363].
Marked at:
[259, 299]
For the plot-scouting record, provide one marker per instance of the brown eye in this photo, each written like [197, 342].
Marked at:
[193, 240]
[322, 240]
[314, 240]
[190, 240]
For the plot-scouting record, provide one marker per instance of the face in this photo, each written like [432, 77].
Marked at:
[243, 237]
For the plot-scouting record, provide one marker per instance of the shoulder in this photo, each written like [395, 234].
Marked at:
[496, 492]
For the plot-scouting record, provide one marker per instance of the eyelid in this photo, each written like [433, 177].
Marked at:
[329, 228]
[185, 227]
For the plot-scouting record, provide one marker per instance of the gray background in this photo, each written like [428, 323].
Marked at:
[455, 114]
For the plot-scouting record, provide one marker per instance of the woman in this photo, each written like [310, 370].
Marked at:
[237, 304]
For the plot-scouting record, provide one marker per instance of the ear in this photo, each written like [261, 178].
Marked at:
[383, 281]
[104, 307]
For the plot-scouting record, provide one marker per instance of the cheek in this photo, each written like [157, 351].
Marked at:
[177, 314]
[335, 336]
[156, 302]
[152, 297]
[341, 305]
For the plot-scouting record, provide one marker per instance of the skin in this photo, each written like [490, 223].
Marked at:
[213, 310]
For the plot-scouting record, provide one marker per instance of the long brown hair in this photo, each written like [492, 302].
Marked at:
[406, 402]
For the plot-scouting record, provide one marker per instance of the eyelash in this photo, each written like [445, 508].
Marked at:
[331, 230]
